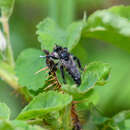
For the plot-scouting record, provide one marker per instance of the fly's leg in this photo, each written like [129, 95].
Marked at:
[78, 62]
[62, 73]
[49, 56]
[54, 68]
[53, 57]
[41, 70]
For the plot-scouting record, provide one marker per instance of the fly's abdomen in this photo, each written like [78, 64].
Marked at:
[72, 70]
[75, 74]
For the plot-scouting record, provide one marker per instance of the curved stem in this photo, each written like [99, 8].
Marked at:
[62, 11]
[66, 118]
[9, 52]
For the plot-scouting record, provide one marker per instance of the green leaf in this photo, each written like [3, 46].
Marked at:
[4, 111]
[127, 124]
[5, 125]
[95, 73]
[22, 125]
[121, 120]
[97, 117]
[99, 71]
[121, 11]
[50, 34]
[97, 121]
[52, 120]
[7, 7]
[43, 104]
[76, 92]
[74, 31]
[121, 116]
[27, 64]
[110, 25]
[17, 125]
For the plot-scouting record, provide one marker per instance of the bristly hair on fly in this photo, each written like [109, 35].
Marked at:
[66, 61]
[51, 70]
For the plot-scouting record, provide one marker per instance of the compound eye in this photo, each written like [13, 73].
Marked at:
[66, 58]
[63, 55]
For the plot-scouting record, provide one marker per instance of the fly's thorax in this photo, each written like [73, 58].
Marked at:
[68, 64]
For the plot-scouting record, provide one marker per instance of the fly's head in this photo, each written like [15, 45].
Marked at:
[49, 62]
[61, 53]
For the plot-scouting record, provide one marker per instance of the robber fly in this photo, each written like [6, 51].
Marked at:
[67, 62]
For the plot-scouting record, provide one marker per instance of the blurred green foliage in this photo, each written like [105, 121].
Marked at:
[115, 96]
[10, 97]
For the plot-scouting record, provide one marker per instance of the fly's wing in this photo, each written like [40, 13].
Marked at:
[75, 74]
[70, 66]
[72, 69]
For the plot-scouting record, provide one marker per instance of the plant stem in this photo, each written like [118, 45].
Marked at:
[67, 12]
[66, 118]
[7, 70]
[53, 10]
[62, 11]
[5, 24]
[74, 115]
